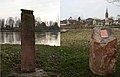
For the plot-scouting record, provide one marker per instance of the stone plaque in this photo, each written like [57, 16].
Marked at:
[103, 33]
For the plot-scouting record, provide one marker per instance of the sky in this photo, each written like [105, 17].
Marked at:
[47, 10]
[87, 8]
[52, 10]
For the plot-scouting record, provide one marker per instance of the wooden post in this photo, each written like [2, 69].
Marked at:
[27, 41]
[103, 47]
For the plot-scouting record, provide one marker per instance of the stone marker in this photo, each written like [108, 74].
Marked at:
[102, 56]
[27, 41]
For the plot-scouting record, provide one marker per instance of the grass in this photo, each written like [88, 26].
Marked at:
[71, 59]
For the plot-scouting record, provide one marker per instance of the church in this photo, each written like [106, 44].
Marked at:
[108, 21]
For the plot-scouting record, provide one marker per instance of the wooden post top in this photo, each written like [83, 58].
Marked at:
[25, 11]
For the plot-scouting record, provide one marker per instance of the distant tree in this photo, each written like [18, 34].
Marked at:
[40, 26]
[38, 21]
[54, 26]
[17, 22]
[2, 23]
[43, 24]
[79, 18]
[51, 23]
[10, 22]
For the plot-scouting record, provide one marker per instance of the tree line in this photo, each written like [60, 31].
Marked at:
[13, 24]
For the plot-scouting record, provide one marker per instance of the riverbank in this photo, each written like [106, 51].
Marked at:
[71, 59]
[35, 31]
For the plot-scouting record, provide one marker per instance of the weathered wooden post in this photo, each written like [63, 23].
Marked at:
[27, 41]
[102, 57]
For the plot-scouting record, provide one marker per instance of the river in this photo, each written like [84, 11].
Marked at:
[44, 38]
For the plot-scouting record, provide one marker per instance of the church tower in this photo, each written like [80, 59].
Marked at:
[106, 14]
[106, 17]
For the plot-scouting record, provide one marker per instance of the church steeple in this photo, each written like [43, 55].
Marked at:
[106, 14]
[107, 22]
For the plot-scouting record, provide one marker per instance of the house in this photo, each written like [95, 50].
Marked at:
[111, 21]
[97, 22]
[89, 21]
[72, 21]
[117, 22]
[64, 22]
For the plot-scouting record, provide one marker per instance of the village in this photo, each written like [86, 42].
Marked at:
[78, 23]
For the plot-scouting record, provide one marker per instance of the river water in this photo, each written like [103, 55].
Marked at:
[45, 38]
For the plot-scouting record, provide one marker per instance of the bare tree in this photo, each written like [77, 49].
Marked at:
[111, 1]
[115, 2]
[17, 22]
[38, 21]
[10, 21]
[2, 22]
[51, 23]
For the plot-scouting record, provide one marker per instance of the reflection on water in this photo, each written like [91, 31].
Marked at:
[46, 38]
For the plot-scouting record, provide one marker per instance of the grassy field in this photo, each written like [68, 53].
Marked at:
[71, 59]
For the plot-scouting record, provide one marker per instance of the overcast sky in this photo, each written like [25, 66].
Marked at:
[45, 9]
[50, 9]
[87, 8]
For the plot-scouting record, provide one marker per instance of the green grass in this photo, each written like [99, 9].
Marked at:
[71, 59]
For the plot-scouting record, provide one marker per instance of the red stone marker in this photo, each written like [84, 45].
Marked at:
[102, 58]
[27, 41]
